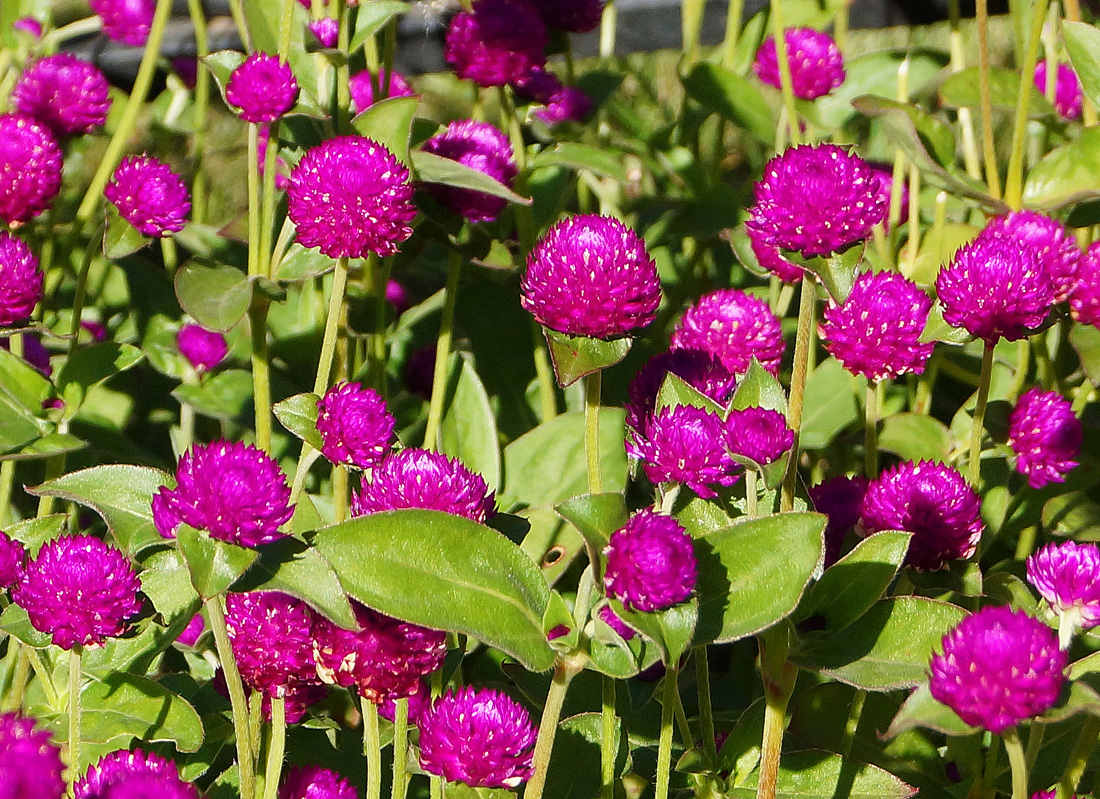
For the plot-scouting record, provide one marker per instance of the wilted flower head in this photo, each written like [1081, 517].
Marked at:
[30, 764]
[20, 280]
[418, 478]
[349, 197]
[12, 558]
[876, 331]
[233, 491]
[361, 85]
[650, 563]
[204, 349]
[1067, 576]
[327, 31]
[314, 782]
[498, 43]
[133, 775]
[1046, 437]
[759, 434]
[700, 370]
[998, 667]
[149, 195]
[272, 639]
[1068, 97]
[65, 93]
[682, 444]
[816, 200]
[1051, 242]
[734, 327]
[30, 168]
[263, 88]
[591, 276]
[355, 427]
[126, 21]
[817, 66]
[79, 590]
[566, 103]
[480, 146]
[1084, 300]
[479, 737]
[574, 16]
[841, 499]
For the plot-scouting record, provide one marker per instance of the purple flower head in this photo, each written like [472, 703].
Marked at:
[28, 25]
[126, 21]
[1051, 242]
[934, 503]
[355, 427]
[187, 68]
[78, 589]
[995, 288]
[418, 478]
[567, 103]
[204, 349]
[384, 659]
[698, 369]
[1052, 794]
[1067, 576]
[12, 559]
[885, 173]
[538, 85]
[235, 492]
[876, 332]
[499, 43]
[30, 764]
[591, 276]
[149, 195]
[817, 66]
[1068, 96]
[682, 444]
[650, 563]
[192, 632]
[609, 617]
[770, 258]
[817, 200]
[480, 146]
[272, 639]
[262, 87]
[418, 704]
[841, 499]
[362, 89]
[1084, 300]
[33, 353]
[349, 197]
[759, 434]
[734, 327]
[327, 31]
[479, 737]
[398, 297]
[20, 280]
[65, 93]
[30, 168]
[998, 667]
[574, 16]
[136, 775]
[314, 782]
[1046, 437]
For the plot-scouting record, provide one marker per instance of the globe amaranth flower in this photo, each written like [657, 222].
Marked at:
[20, 280]
[350, 197]
[685, 445]
[841, 500]
[479, 146]
[609, 617]
[573, 16]
[79, 590]
[233, 491]
[1067, 576]
[65, 93]
[499, 42]
[192, 632]
[30, 764]
[384, 659]
[149, 195]
[1051, 242]
[12, 559]
[876, 331]
[700, 370]
[33, 352]
[138, 774]
[204, 349]
[418, 703]
[759, 434]
[480, 737]
[998, 667]
[817, 66]
[816, 200]
[771, 259]
[1068, 96]
[314, 782]
[734, 327]
[327, 31]
[30, 168]
[355, 427]
[418, 478]
[885, 174]
[1051, 794]
[569, 103]
[362, 83]
[994, 288]
[934, 503]
[272, 637]
[1084, 300]
[650, 563]
[126, 21]
[263, 88]
[28, 25]
[1046, 437]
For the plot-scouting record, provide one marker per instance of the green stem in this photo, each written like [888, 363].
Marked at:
[608, 729]
[400, 749]
[779, 677]
[215, 614]
[44, 677]
[785, 82]
[979, 416]
[593, 385]
[870, 440]
[261, 372]
[752, 494]
[664, 747]
[544, 372]
[435, 782]
[332, 324]
[798, 384]
[1079, 757]
[7, 485]
[691, 24]
[372, 749]
[1088, 116]
[74, 711]
[274, 767]
[564, 671]
[1014, 182]
[1034, 743]
[609, 24]
[339, 494]
[966, 119]
[1016, 759]
[443, 351]
[992, 176]
[706, 712]
[14, 700]
[267, 198]
[198, 110]
[851, 726]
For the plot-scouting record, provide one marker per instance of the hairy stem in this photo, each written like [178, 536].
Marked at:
[400, 748]
[372, 749]
[607, 739]
[74, 711]
[1079, 757]
[593, 385]
[779, 677]
[706, 712]
[564, 672]
[870, 439]
[664, 746]
[443, 351]
[198, 110]
[785, 82]
[992, 176]
[1016, 759]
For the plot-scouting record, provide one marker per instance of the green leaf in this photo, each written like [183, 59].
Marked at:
[753, 574]
[122, 494]
[216, 296]
[574, 769]
[937, 329]
[227, 394]
[575, 357]
[121, 238]
[214, 565]
[740, 753]
[922, 711]
[302, 264]
[1085, 339]
[126, 705]
[16, 623]
[33, 533]
[600, 161]
[887, 648]
[221, 65]
[371, 18]
[46, 447]
[445, 572]
[671, 629]
[829, 405]
[837, 273]
[733, 97]
[597, 516]
[935, 135]
[90, 366]
[1083, 46]
[961, 90]
[22, 392]
[1073, 515]
[389, 122]
[821, 775]
[915, 437]
[1066, 175]
[469, 430]
[676, 392]
[431, 168]
[759, 389]
[164, 579]
[298, 414]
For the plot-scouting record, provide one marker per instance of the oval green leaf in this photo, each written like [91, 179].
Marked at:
[216, 296]
[575, 357]
[431, 168]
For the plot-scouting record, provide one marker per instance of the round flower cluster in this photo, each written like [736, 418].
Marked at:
[651, 563]
[1084, 300]
[1067, 576]
[12, 559]
[30, 765]
[355, 427]
[418, 478]
[327, 31]
[149, 195]
[361, 86]
[20, 280]
[759, 434]
[65, 93]
[569, 103]
[314, 782]
[126, 21]
[263, 88]
[700, 370]
[480, 146]
[817, 66]
[1051, 242]
[124, 774]
[496, 43]
[685, 445]
[734, 327]
[30, 168]
[204, 349]
[1046, 437]
[1068, 96]
[272, 637]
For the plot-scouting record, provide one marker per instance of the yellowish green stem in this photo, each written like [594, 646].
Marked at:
[274, 766]
[664, 745]
[803, 337]
[1014, 182]
[215, 615]
[785, 82]
[564, 671]
[593, 384]
[992, 176]
[400, 749]
[372, 749]
[977, 431]
[1016, 759]
[443, 351]
[74, 712]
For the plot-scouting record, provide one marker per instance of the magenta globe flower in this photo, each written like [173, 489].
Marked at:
[998, 667]
[418, 478]
[361, 85]
[498, 43]
[355, 427]
[480, 146]
[734, 327]
[1046, 437]
[816, 200]
[149, 195]
[759, 434]
[28, 25]
[573, 16]
[30, 764]
[650, 563]
[771, 259]
[327, 31]
[20, 280]
[876, 331]
[1067, 576]
[700, 370]
[136, 774]
[262, 88]
[192, 632]
[314, 782]
[569, 103]
[817, 66]
[1068, 96]
[418, 704]
[126, 21]
[685, 445]
[65, 93]
[79, 590]
[204, 349]
[1052, 243]
[591, 276]
[30, 168]
[479, 737]
[841, 500]
[1084, 300]
[235, 492]
[272, 637]
[12, 558]
[350, 197]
